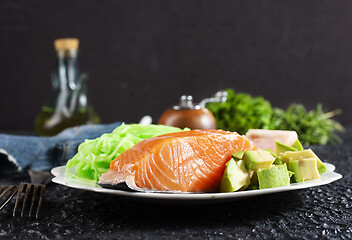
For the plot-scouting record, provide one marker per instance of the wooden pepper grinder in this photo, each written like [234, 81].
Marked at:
[188, 115]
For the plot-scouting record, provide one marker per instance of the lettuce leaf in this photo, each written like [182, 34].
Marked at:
[94, 156]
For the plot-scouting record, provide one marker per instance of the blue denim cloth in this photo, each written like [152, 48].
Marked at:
[20, 153]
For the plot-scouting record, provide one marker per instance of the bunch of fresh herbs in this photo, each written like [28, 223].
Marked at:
[241, 112]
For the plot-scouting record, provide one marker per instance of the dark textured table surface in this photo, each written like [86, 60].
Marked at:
[314, 213]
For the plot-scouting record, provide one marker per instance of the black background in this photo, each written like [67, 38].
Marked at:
[143, 55]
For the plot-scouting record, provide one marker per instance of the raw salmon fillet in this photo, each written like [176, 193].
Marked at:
[188, 161]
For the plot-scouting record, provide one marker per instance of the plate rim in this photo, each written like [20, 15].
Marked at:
[61, 178]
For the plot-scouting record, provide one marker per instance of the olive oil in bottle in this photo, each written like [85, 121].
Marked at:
[68, 105]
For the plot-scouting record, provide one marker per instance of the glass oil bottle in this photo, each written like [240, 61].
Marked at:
[68, 105]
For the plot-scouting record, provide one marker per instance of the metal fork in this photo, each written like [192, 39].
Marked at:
[10, 191]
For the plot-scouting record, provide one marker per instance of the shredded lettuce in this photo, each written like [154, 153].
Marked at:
[94, 156]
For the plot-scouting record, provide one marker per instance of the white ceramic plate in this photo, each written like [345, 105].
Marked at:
[205, 198]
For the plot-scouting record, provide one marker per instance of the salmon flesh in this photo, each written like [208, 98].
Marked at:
[188, 161]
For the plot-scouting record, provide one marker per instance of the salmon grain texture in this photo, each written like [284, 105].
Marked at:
[189, 161]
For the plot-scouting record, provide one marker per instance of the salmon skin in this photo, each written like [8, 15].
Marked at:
[188, 161]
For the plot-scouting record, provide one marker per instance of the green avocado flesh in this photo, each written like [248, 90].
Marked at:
[266, 169]
[275, 176]
[281, 148]
[238, 155]
[297, 145]
[257, 159]
[289, 156]
[254, 181]
[236, 177]
[304, 169]
[271, 152]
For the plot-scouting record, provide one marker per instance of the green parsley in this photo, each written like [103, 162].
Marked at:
[241, 112]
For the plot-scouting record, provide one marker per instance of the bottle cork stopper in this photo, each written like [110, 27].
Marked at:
[66, 43]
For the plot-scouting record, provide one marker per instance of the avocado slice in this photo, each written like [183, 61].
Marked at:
[297, 145]
[236, 176]
[238, 155]
[281, 148]
[286, 157]
[275, 176]
[272, 152]
[254, 181]
[278, 161]
[304, 169]
[257, 159]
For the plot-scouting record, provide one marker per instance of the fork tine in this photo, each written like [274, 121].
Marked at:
[18, 198]
[28, 189]
[7, 190]
[10, 197]
[35, 189]
[42, 188]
